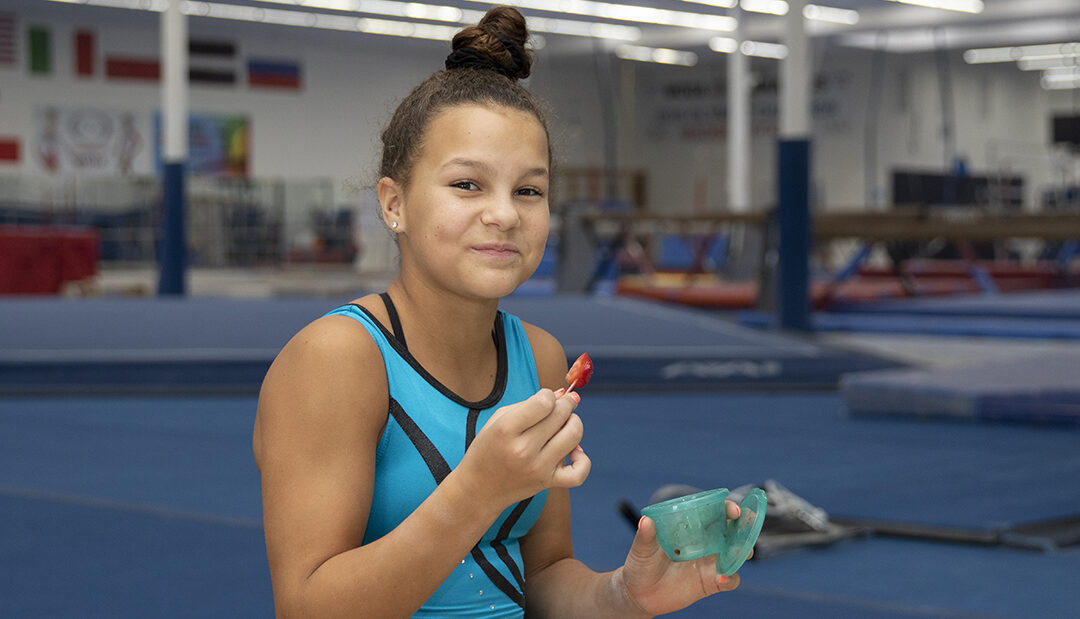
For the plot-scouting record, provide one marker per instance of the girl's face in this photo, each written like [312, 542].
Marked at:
[474, 217]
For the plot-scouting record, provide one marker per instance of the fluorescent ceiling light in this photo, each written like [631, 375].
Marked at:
[139, 5]
[780, 7]
[369, 25]
[660, 55]
[433, 12]
[723, 4]
[626, 12]
[726, 45]
[830, 14]
[598, 30]
[1060, 73]
[1041, 64]
[764, 50]
[772, 7]
[284, 17]
[965, 6]
[1061, 82]
[972, 34]
[1023, 52]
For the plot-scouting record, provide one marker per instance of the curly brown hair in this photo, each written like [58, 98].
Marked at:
[486, 62]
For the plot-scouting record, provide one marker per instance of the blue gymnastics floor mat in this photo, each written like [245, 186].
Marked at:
[208, 345]
[1039, 389]
[150, 507]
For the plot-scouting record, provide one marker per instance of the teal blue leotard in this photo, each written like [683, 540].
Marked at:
[427, 431]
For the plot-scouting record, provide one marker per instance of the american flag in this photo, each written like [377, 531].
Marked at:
[7, 39]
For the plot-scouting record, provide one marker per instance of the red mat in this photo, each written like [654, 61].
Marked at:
[40, 259]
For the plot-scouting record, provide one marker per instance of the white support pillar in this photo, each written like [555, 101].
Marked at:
[796, 76]
[174, 83]
[738, 121]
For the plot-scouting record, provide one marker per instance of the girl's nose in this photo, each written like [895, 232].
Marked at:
[501, 212]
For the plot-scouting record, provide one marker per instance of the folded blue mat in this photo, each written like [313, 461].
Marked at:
[1041, 389]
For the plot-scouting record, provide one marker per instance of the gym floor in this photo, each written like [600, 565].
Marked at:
[148, 505]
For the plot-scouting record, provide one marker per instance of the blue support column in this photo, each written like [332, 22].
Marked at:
[793, 269]
[172, 255]
[172, 252]
[793, 175]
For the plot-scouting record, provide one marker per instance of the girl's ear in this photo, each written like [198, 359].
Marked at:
[391, 197]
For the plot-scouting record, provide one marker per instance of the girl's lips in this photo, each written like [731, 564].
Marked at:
[497, 250]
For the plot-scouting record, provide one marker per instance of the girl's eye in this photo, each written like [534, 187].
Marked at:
[529, 191]
[465, 185]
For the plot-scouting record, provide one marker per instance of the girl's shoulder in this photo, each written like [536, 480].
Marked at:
[334, 358]
[549, 356]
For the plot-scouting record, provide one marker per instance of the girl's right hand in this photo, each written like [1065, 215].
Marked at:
[521, 450]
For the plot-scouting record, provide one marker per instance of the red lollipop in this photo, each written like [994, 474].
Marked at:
[580, 372]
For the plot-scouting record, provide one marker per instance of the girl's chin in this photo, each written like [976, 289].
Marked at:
[496, 288]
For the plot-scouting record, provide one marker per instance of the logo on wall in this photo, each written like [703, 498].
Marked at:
[695, 108]
[86, 140]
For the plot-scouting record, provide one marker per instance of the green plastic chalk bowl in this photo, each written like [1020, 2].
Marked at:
[696, 526]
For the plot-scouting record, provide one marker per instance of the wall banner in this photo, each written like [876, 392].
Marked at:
[86, 140]
[218, 145]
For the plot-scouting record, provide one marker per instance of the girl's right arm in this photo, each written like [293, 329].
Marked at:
[322, 410]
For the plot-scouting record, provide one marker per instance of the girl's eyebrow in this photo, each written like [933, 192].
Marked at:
[467, 163]
[483, 167]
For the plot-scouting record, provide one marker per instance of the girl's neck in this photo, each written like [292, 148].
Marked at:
[442, 323]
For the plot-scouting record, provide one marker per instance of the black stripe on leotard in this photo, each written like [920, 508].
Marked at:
[511, 520]
[498, 337]
[504, 533]
[434, 460]
[496, 577]
[470, 426]
[439, 470]
[395, 321]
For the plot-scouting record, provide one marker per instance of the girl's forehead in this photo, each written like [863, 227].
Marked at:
[487, 128]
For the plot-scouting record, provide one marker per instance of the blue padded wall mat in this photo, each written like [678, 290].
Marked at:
[1036, 389]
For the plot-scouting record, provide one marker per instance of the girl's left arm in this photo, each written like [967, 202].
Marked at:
[558, 585]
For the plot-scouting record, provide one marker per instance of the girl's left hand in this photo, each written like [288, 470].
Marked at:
[658, 585]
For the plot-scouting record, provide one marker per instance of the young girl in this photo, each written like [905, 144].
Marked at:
[416, 447]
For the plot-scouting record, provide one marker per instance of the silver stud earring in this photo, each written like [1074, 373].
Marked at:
[394, 225]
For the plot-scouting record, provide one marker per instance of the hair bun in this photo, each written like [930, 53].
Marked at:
[497, 44]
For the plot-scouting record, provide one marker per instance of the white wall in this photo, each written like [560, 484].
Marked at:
[1001, 122]
[330, 128]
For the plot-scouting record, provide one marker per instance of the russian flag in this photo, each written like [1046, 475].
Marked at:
[274, 74]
